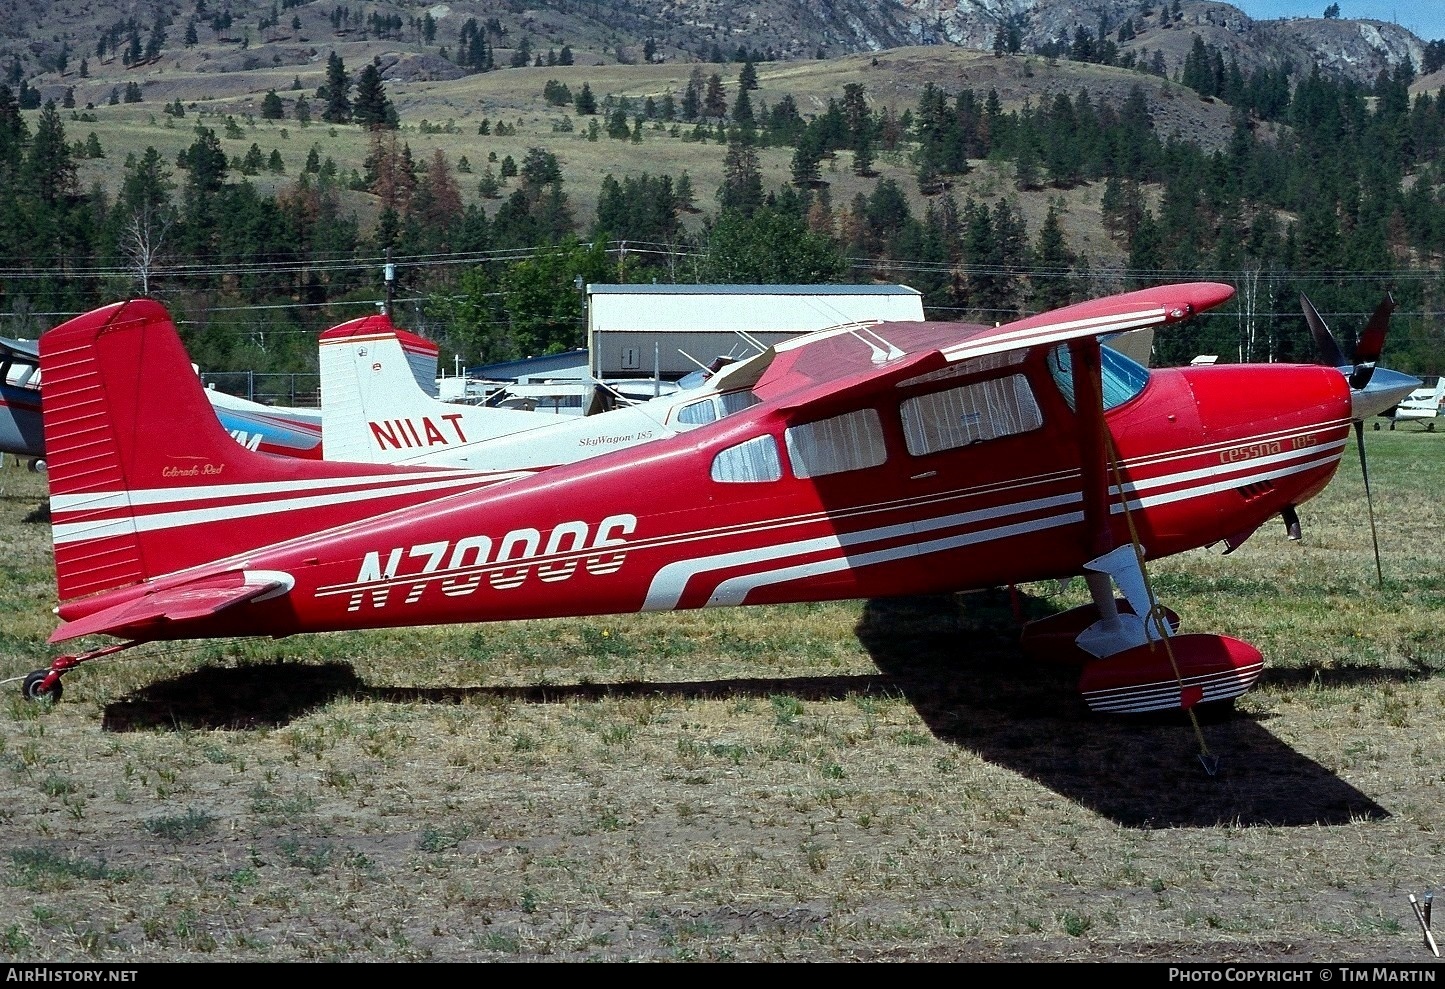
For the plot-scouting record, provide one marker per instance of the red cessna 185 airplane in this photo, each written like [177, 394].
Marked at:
[896, 459]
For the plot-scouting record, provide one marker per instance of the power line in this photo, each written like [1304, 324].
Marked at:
[278, 266]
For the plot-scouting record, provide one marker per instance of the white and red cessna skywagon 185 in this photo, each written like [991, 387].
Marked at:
[899, 459]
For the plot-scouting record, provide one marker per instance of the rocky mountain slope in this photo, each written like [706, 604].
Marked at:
[45, 41]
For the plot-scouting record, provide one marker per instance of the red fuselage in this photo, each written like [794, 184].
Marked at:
[886, 507]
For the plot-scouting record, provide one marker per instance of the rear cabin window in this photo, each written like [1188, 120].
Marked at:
[736, 401]
[832, 446]
[752, 461]
[969, 414]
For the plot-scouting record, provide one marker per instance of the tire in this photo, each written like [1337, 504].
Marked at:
[1215, 712]
[32, 690]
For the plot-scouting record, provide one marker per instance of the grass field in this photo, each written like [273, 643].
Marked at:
[852, 781]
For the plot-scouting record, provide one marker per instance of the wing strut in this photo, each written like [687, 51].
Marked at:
[1098, 460]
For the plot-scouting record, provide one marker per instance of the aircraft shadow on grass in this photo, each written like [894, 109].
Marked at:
[1026, 716]
[954, 658]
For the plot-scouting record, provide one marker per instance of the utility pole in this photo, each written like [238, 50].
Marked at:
[389, 273]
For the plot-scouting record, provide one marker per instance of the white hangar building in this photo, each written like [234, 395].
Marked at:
[642, 331]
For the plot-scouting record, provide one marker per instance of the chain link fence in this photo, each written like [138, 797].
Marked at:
[298, 390]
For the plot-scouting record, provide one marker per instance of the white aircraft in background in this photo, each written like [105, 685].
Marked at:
[292, 432]
[373, 411]
[1421, 405]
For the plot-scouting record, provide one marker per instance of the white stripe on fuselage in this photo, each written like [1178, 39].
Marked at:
[69, 532]
[735, 590]
[670, 582]
[1225, 485]
[1331, 451]
[209, 492]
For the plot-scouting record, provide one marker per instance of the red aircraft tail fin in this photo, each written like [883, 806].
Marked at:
[144, 480]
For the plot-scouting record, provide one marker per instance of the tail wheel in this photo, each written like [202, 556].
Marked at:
[33, 691]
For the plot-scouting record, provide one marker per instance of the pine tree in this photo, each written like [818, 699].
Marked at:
[372, 109]
[863, 157]
[617, 128]
[743, 110]
[1053, 262]
[748, 76]
[742, 185]
[335, 92]
[253, 161]
[271, 107]
[715, 103]
[585, 102]
[489, 187]
[806, 159]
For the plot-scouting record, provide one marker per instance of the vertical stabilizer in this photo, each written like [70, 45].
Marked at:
[374, 411]
[145, 481]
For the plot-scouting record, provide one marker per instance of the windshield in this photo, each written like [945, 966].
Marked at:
[1123, 377]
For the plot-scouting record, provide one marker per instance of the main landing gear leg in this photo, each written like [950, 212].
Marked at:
[44, 685]
[1107, 626]
[1115, 631]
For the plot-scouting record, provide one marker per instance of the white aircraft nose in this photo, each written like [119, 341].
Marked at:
[1384, 391]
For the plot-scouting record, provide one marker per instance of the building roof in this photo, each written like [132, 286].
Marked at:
[752, 290]
[571, 363]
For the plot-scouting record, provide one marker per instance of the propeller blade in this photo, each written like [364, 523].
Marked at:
[1372, 341]
[1329, 350]
[1369, 502]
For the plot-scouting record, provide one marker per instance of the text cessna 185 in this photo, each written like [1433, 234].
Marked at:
[906, 458]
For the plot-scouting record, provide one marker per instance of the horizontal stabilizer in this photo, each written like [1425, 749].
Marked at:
[200, 599]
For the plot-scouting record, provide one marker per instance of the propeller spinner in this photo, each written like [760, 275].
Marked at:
[1373, 389]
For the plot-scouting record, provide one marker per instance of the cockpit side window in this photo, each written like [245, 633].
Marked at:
[973, 413]
[1123, 378]
[697, 414]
